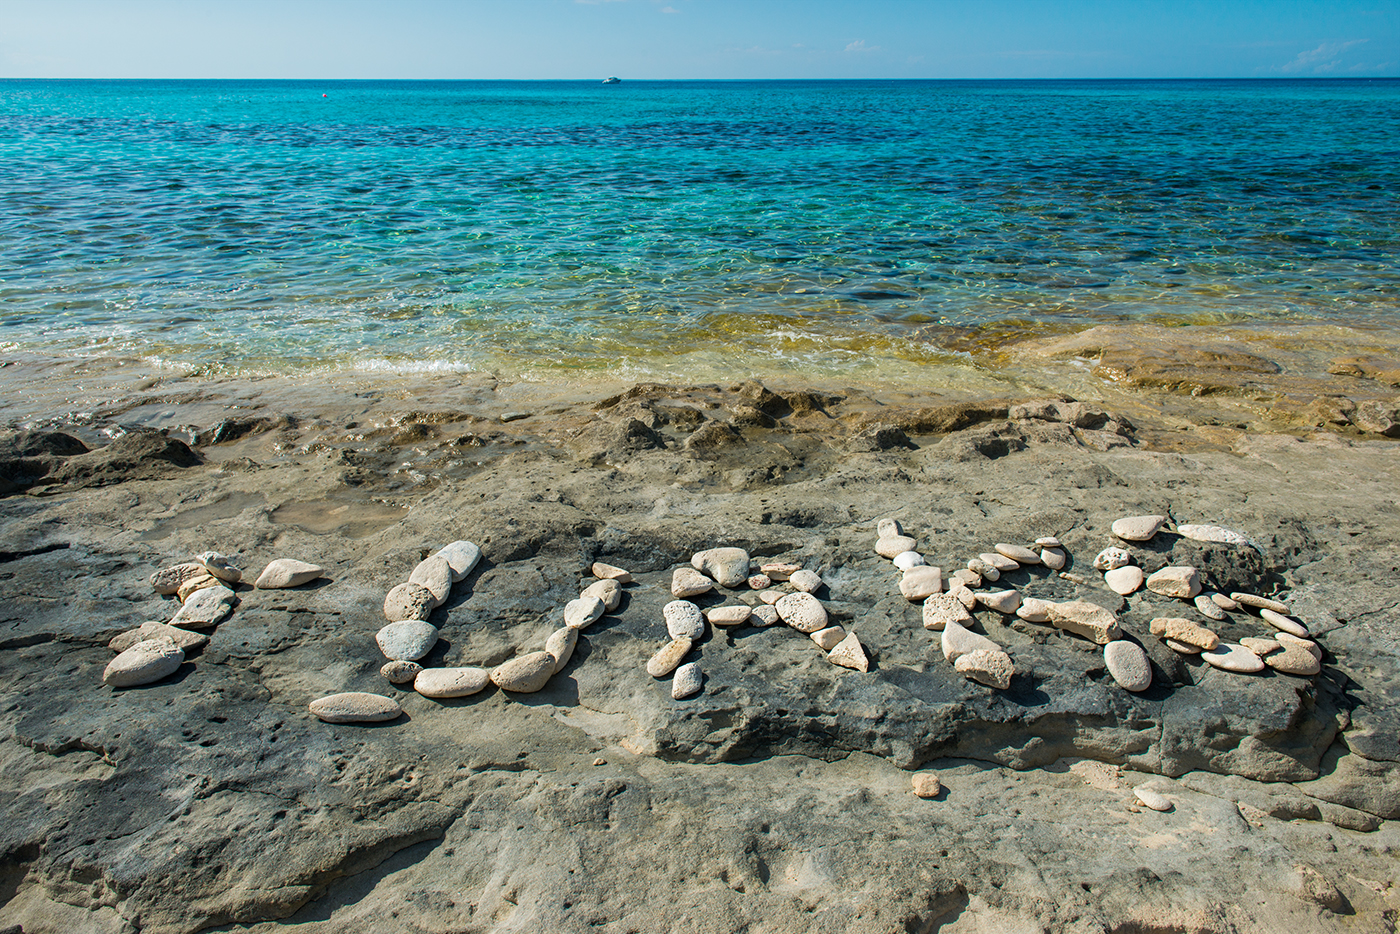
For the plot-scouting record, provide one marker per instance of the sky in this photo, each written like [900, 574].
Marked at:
[698, 39]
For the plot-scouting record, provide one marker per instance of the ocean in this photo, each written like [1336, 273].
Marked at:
[648, 229]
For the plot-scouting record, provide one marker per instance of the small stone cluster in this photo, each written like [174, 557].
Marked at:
[204, 586]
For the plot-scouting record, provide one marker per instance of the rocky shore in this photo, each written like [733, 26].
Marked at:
[697, 658]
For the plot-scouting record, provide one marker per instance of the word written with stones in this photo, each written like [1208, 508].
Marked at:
[355, 707]
[288, 572]
[1137, 528]
[1182, 582]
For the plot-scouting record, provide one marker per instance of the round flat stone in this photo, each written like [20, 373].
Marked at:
[461, 557]
[1053, 558]
[728, 615]
[805, 581]
[400, 671]
[688, 582]
[764, 615]
[908, 559]
[1128, 664]
[583, 612]
[407, 640]
[760, 582]
[409, 601]
[889, 546]
[687, 682]
[355, 707]
[145, 662]
[1017, 553]
[287, 572]
[524, 675]
[1125, 580]
[1293, 661]
[802, 612]
[683, 620]
[926, 785]
[1283, 623]
[451, 682]
[1137, 528]
[435, 574]
[1228, 656]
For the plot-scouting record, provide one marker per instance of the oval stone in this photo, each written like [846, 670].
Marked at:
[908, 559]
[1228, 656]
[409, 601]
[146, 661]
[1017, 553]
[524, 675]
[687, 682]
[1293, 661]
[683, 620]
[1208, 608]
[890, 546]
[1124, 580]
[728, 615]
[607, 590]
[561, 644]
[1283, 623]
[406, 640]
[1034, 610]
[1224, 602]
[728, 566]
[1183, 648]
[461, 557]
[400, 671]
[764, 615]
[921, 582]
[287, 572]
[1137, 528]
[802, 612]
[583, 612]
[1053, 558]
[688, 582]
[451, 682]
[927, 785]
[999, 561]
[1283, 638]
[1127, 663]
[1152, 799]
[1111, 558]
[668, 657]
[805, 581]
[435, 574]
[760, 582]
[355, 707]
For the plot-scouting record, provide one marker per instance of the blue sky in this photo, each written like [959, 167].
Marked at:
[726, 39]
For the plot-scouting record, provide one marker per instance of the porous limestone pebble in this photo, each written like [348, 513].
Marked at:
[355, 707]
[764, 615]
[908, 559]
[1127, 663]
[982, 569]
[849, 653]
[999, 561]
[400, 671]
[524, 675]
[1261, 646]
[771, 597]
[687, 682]
[805, 581]
[407, 640]
[1053, 558]
[780, 570]
[964, 596]
[1017, 553]
[408, 601]
[829, 638]
[168, 580]
[1137, 528]
[1183, 582]
[1152, 799]
[183, 638]
[943, 608]
[926, 785]
[583, 612]
[607, 590]
[760, 582]
[920, 583]
[985, 666]
[1089, 620]
[802, 612]
[887, 527]
[1183, 630]
[205, 607]
[1222, 601]
[194, 584]
[434, 574]
[1293, 661]
[688, 582]
[451, 682]
[668, 657]
[1124, 580]
[146, 661]
[683, 620]
[1003, 601]
[287, 572]
[609, 572]
[728, 566]
[1208, 607]
[1034, 610]
[461, 556]
[729, 615]
[1184, 648]
[221, 566]
[1228, 656]
[1211, 533]
[891, 545]
[1283, 623]
[561, 644]
[1048, 541]
[1284, 639]
[1111, 558]
[967, 578]
[1259, 603]
[959, 640]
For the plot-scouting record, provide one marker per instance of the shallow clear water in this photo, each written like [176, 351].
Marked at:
[555, 227]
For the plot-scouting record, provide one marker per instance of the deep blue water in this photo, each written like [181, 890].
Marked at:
[260, 225]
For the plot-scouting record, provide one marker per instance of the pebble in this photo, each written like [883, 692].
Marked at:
[1003, 601]
[1017, 553]
[908, 559]
[1283, 623]
[355, 707]
[1034, 610]
[959, 640]
[889, 546]
[287, 572]
[1208, 607]
[1261, 646]
[1293, 661]
[1089, 620]
[1128, 664]
[990, 667]
[461, 556]
[802, 612]
[805, 581]
[683, 620]
[1211, 533]
[146, 661]
[1184, 648]
[609, 572]
[999, 561]
[407, 640]
[687, 682]
[943, 608]
[607, 590]
[926, 785]
[400, 671]
[524, 675]
[1284, 639]
[1229, 656]
[1152, 799]
[760, 582]
[688, 582]
[849, 653]
[561, 644]
[887, 527]
[435, 574]
[1124, 580]
[764, 615]
[183, 638]
[1183, 582]
[982, 569]
[969, 578]
[729, 615]
[829, 638]
[192, 584]
[1259, 603]
[221, 566]
[408, 601]
[920, 583]
[729, 566]
[168, 580]
[583, 612]
[1053, 558]
[1222, 601]
[964, 596]
[770, 597]
[1111, 558]
[451, 682]
[1048, 541]
[204, 608]
[780, 570]
[668, 657]
[1137, 528]
[1185, 631]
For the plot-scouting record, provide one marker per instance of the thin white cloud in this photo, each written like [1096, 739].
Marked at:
[669, 9]
[860, 46]
[1326, 57]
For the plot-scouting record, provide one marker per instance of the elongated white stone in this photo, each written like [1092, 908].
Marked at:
[1212, 533]
[146, 661]
[583, 612]
[461, 557]
[355, 707]
[1127, 663]
[1018, 553]
[444, 683]
[1137, 528]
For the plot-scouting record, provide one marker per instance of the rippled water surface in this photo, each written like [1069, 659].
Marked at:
[540, 227]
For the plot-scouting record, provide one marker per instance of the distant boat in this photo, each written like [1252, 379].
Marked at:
[613, 80]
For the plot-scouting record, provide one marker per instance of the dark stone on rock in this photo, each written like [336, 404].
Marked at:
[609, 441]
[1381, 418]
[765, 400]
[942, 419]
[26, 457]
[241, 426]
[713, 438]
[144, 454]
[747, 416]
[879, 438]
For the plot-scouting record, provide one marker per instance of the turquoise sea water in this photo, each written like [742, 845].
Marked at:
[250, 226]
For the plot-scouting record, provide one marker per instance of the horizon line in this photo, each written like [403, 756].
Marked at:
[595, 80]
